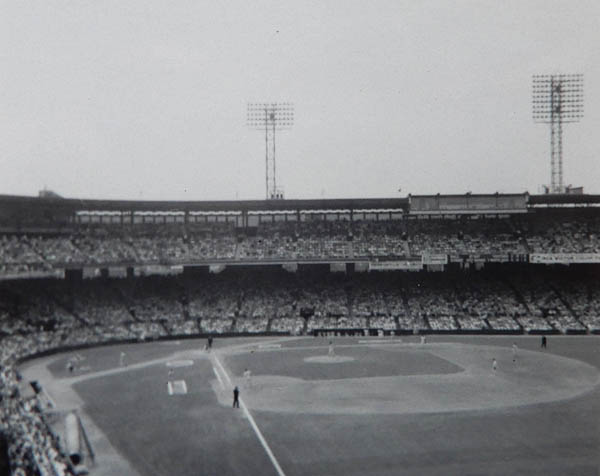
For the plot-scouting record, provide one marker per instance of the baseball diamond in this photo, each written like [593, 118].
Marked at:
[382, 407]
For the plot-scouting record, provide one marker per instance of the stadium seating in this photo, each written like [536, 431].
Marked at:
[317, 239]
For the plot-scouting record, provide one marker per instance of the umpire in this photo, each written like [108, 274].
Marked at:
[236, 397]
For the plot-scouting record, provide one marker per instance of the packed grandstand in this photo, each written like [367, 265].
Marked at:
[76, 273]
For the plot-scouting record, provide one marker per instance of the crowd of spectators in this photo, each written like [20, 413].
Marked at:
[583, 297]
[568, 299]
[183, 328]
[534, 323]
[18, 255]
[472, 323]
[486, 302]
[213, 298]
[104, 246]
[503, 323]
[543, 301]
[379, 239]
[546, 235]
[297, 240]
[293, 325]
[490, 238]
[153, 307]
[216, 325]
[33, 448]
[433, 302]
[253, 325]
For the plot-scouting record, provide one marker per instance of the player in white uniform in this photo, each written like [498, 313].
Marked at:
[331, 351]
[122, 359]
[247, 377]
[494, 365]
[514, 351]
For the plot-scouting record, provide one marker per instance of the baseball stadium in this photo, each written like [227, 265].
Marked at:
[423, 335]
[317, 238]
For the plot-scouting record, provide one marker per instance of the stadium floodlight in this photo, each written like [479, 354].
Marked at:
[557, 99]
[270, 117]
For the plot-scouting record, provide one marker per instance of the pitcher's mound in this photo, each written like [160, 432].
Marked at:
[328, 359]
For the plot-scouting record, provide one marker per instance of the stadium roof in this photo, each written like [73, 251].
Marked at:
[564, 199]
[71, 204]
[25, 204]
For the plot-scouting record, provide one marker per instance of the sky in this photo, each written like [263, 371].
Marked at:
[147, 99]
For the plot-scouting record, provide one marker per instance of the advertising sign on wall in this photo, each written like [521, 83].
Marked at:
[564, 258]
[403, 265]
[432, 258]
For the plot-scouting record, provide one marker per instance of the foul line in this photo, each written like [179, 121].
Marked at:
[253, 423]
[219, 378]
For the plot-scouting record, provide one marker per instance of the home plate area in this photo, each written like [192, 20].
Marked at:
[177, 387]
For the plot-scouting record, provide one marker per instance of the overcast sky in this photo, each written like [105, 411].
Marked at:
[147, 99]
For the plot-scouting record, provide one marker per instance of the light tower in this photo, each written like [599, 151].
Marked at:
[270, 117]
[557, 99]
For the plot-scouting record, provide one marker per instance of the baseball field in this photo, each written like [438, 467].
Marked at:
[349, 406]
